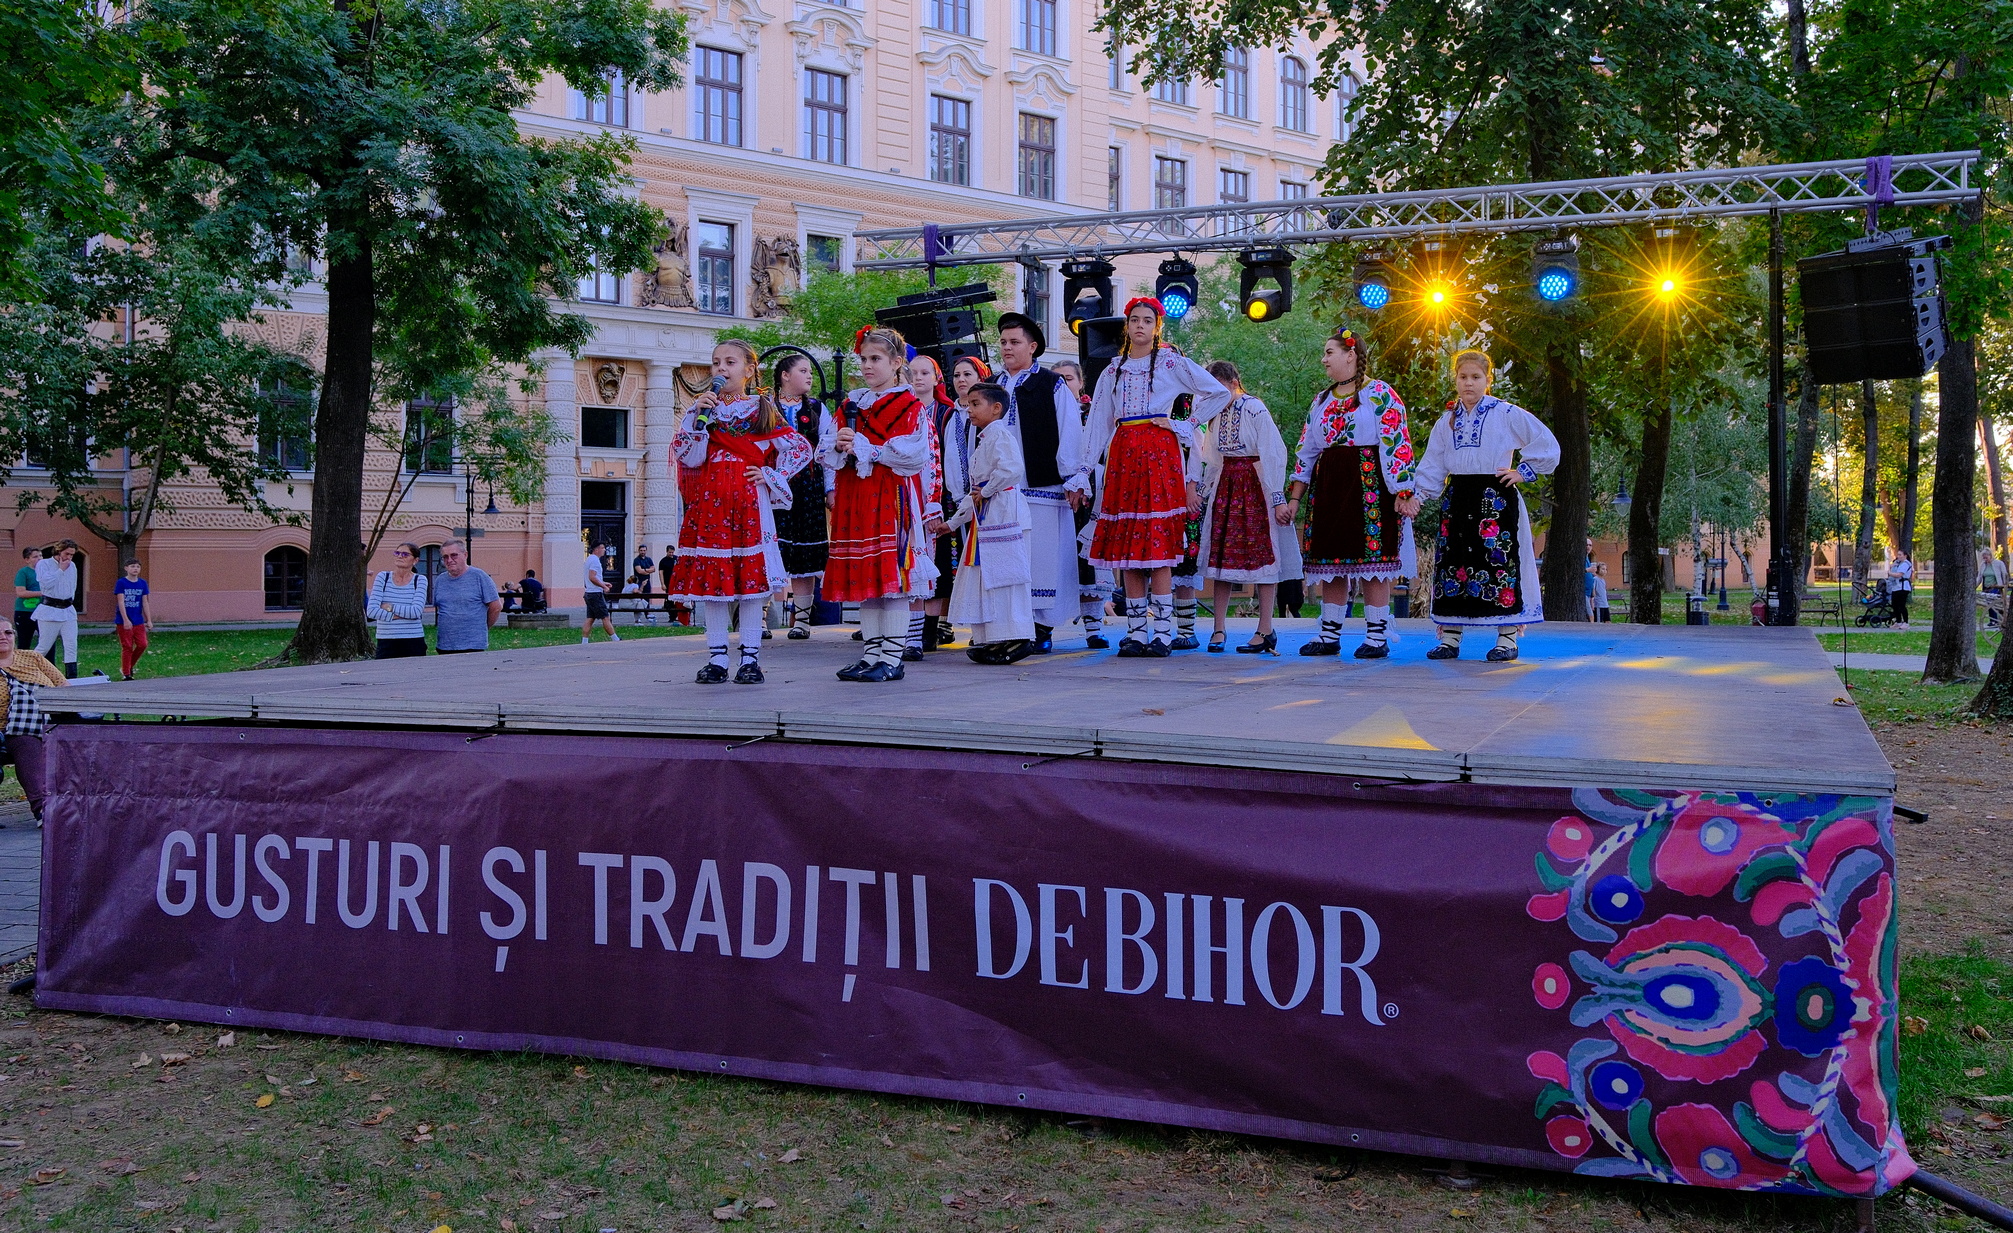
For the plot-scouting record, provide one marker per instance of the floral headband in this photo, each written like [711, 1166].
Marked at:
[1149, 301]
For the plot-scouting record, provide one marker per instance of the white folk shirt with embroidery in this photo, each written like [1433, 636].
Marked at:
[1244, 430]
[1123, 395]
[691, 445]
[1484, 441]
[1366, 428]
[1069, 456]
[905, 455]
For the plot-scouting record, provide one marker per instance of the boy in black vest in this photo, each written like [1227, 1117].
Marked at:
[1045, 414]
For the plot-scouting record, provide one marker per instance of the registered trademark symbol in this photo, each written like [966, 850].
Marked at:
[1390, 1010]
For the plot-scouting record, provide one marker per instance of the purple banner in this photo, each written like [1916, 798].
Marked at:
[1690, 988]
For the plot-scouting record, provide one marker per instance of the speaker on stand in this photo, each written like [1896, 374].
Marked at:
[1874, 311]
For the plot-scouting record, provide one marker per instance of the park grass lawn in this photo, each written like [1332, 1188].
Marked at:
[1956, 1045]
[1913, 642]
[1901, 697]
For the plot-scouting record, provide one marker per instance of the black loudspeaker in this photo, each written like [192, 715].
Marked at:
[1097, 344]
[947, 354]
[1875, 310]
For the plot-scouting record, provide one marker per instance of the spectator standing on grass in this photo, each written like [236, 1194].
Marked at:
[594, 587]
[1900, 583]
[27, 594]
[132, 613]
[534, 591]
[1597, 578]
[465, 603]
[58, 580]
[397, 605]
[24, 674]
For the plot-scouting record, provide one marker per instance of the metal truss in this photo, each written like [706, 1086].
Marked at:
[1918, 180]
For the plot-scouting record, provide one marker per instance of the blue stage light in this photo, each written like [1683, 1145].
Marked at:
[1177, 305]
[1373, 296]
[1177, 288]
[1556, 283]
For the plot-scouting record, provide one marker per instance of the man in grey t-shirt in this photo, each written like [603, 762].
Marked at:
[465, 603]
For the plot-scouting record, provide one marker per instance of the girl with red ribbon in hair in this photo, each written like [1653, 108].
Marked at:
[735, 455]
[1145, 503]
[881, 555]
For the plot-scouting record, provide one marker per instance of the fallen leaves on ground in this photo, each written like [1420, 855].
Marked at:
[1975, 1072]
[227, 1040]
[791, 1157]
[1992, 1121]
[174, 1059]
[765, 1203]
[378, 1118]
[43, 1177]
[1914, 1025]
[192, 1176]
[118, 1168]
[145, 1060]
[265, 1101]
[1977, 1032]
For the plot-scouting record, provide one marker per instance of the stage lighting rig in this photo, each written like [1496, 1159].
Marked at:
[1176, 288]
[1667, 280]
[1274, 265]
[1374, 280]
[1555, 268]
[1436, 263]
[1081, 275]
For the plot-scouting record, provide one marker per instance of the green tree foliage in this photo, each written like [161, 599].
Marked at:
[379, 139]
[833, 306]
[1279, 360]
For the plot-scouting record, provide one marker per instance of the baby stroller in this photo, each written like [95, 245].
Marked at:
[1876, 606]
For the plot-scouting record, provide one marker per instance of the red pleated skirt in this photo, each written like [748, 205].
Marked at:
[722, 548]
[1140, 521]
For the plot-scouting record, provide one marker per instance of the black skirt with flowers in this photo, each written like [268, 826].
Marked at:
[1477, 576]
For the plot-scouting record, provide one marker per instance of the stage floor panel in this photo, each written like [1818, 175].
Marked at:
[1644, 706]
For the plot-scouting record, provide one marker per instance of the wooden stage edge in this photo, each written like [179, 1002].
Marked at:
[1622, 706]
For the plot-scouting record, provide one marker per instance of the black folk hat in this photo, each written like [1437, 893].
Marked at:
[1021, 321]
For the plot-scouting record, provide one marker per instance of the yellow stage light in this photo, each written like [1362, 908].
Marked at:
[1258, 310]
[1667, 286]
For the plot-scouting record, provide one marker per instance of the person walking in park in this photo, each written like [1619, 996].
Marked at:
[594, 589]
[61, 586]
[397, 605]
[1900, 586]
[26, 597]
[1485, 571]
[132, 615]
[465, 603]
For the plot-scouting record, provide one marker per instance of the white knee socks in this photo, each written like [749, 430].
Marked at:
[1331, 622]
[1184, 617]
[1376, 624]
[1160, 609]
[751, 627]
[717, 614]
[1093, 615]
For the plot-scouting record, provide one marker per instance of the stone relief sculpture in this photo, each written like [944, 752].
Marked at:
[778, 272]
[670, 284]
[608, 382]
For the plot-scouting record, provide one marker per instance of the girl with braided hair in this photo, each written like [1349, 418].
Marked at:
[736, 456]
[878, 448]
[801, 528]
[1145, 503]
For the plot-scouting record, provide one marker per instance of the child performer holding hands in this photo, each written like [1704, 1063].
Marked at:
[1145, 501]
[1247, 526]
[736, 456]
[801, 530]
[1486, 573]
[881, 557]
[1356, 455]
[993, 593]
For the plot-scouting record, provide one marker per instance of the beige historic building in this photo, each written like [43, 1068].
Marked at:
[799, 125]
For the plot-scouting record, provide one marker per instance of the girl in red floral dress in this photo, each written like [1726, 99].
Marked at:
[735, 457]
[881, 556]
[1356, 456]
[1247, 526]
[1146, 501]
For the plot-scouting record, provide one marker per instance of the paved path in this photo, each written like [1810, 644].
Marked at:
[20, 880]
[1894, 663]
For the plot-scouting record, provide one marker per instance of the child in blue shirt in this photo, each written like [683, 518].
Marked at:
[129, 611]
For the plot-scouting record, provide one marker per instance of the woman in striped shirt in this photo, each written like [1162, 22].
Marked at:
[397, 602]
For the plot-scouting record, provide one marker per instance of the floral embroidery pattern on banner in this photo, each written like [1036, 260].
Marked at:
[1713, 1054]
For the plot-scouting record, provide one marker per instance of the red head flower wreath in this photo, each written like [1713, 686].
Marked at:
[1149, 301]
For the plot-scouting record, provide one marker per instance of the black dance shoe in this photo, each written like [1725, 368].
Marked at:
[1500, 654]
[1157, 649]
[1015, 651]
[1443, 651]
[1318, 647]
[750, 673]
[711, 674]
[913, 654]
[1131, 648]
[855, 672]
[1186, 642]
[1044, 639]
[1381, 650]
[799, 632]
[1096, 642]
[1268, 645]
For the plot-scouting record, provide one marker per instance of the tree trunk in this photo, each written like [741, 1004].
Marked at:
[1869, 482]
[332, 627]
[1563, 574]
[1912, 501]
[1953, 627]
[2001, 526]
[1798, 513]
[1646, 574]
[1799, 39]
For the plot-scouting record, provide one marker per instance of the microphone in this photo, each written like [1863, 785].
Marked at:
[705, 419]
[853, 422]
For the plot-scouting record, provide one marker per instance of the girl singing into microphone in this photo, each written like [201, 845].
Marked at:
[735, 457]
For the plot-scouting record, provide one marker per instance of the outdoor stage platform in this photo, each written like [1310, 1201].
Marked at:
[1624, 906]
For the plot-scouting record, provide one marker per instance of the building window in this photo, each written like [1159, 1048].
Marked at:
[1345, 115]
[716, 268]
[277, 443]
[1117, 79]
[825, 116]
[429, 436]
[1114, 178]
[952, 15]
[1170, 183]
[1234, 95]
[716, 96]
[950, 140]
[598, 285]
[1037, 157]
[826, 252]
[1171, 91]
[609, 104]
[1034, 292]
[1037, 26]
[1293, 94]
[1292, 190]
[286, 579]
[1233, 187]
[604, 428]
